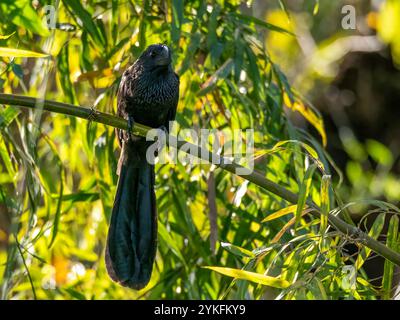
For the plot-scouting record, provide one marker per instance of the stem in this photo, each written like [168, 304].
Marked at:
[255, 177]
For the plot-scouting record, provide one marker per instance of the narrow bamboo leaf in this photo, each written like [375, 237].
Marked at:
[309, 113]
[177, 18]
[75, 294]
[321, 288]
[212, 213]
[269, 26]
[19, 53]
[8, 115]
[325, 207]
[170, 243]
[284, 8]
[221, 73]
[7, 36]
[6, 158]
[238, 251]
[316, 8]
[78, 197]
[16, 68]
[281, 145]
[373, 233]
[281, 213]
[377, 203]
[65, 74]
[303, 192]
[22, 14]
[251, 276]
[291, 266]
[254, 72]
[391, 242]
[86, 20]
[281, 232]
[57, 215]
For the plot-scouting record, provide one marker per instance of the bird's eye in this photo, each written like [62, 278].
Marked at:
[152, 54]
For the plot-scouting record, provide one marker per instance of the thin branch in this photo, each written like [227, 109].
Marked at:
[256, 177]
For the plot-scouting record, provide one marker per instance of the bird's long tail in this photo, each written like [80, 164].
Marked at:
[132, 235]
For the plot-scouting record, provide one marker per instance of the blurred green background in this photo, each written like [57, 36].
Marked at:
[314, 92]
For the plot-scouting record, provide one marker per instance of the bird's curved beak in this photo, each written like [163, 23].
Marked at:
[164, 58]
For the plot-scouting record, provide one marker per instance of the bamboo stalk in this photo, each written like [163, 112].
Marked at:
[255, 177]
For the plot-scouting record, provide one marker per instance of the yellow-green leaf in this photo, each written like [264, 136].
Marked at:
[19, 53]
[165, 235]
[237, 250]
[252, 276]
[373, 233]
[309, 113]
[325, 207]
[304, 190]
[391, 242]
[281, 145]
[7, 36]
[281, 213]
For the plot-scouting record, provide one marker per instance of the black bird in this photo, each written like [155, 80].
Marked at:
[148, 93]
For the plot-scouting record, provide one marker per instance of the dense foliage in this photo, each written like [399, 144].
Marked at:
[58, 175]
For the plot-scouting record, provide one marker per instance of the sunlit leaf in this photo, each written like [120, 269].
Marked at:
[24, 16]
[374, 233]
[304, 191]
[391, 242]
[325, 208]
[316, 8]
[86, 20]
[19, 53]
[281, 213]
[251, 276]
[307, 112]
[238, 251]
[7, 36]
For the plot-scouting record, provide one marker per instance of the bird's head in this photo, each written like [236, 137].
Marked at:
[156, 56]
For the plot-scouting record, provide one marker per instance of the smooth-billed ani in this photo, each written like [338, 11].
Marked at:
[148, 93]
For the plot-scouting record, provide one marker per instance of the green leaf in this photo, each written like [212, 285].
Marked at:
[281, 213]
[281, 145]
[16, 68]
[22, 14]
[373, 233]
[6, 158]
[6, 37]
[325, 207]
[238, 251]
[221, 73]
[269, 26]
[64, 74]
[177, 18]
[75, 294]
[391, 242]
[171, 243]
[284, 8]
[19, 53]
[78, 197]
[254, 71]
[251, 276]
[8, 115]
[316, 8]
[57, 215]
[86, 20]
[303, 192]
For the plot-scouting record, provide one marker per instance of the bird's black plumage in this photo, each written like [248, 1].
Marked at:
[148, 94]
